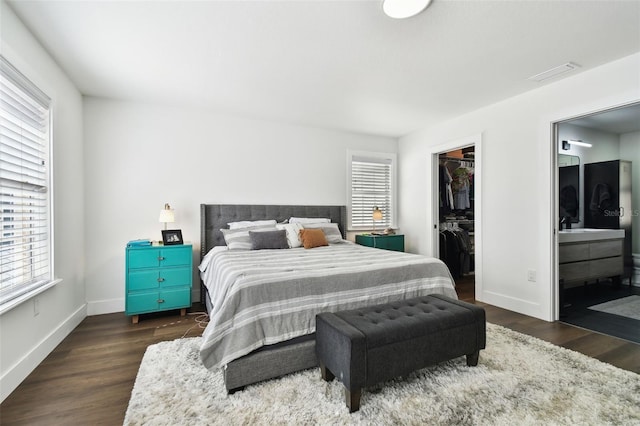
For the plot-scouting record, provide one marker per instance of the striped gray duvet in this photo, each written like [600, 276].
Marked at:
[262, 297]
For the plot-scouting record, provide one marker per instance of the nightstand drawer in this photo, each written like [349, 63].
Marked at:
[142, 279]
[159, 257]
[141, 303]
[171, 277]
[175, 298]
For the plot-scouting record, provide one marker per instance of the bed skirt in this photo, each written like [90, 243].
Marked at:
[271, 362]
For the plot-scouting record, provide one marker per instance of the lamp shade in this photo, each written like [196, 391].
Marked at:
[167, 215]
[377, 213]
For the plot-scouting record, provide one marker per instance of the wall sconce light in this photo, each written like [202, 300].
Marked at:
[566, 145]
[167, 215]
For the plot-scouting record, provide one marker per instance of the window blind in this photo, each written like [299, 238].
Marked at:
[25, 239]
[371, 186]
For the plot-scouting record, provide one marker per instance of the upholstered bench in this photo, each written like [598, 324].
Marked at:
[366, 346]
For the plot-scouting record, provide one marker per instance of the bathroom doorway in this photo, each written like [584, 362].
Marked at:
[598, 164]
[455, 219]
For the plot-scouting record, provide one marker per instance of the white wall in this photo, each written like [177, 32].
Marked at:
[630, 150]
[140, 156]
[517, 178]
[25, 339]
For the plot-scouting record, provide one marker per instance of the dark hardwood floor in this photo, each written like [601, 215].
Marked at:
[88, 378]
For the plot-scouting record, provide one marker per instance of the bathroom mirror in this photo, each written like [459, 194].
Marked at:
[565, 160]
[569, 187]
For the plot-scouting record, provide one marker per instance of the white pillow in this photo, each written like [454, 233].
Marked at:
[331, 231]
[250, 223]
[239, 239]
[293, 233]
[304, 220]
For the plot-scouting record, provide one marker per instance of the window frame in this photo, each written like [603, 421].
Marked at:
[38, 283]
[373, 157]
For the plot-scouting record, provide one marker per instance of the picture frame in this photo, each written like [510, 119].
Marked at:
[172, 237]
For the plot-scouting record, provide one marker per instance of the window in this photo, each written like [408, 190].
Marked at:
[372, 178]
[25, 239]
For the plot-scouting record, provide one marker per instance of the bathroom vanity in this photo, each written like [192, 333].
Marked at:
[588, 254]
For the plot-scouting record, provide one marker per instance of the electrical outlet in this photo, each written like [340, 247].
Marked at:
[531, 275]
[36, 306]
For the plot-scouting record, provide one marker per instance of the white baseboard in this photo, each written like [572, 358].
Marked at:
[109, 306]
[16, 374]
[522, 306]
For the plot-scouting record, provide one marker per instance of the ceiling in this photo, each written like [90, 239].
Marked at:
[335, 64]
[618, 121]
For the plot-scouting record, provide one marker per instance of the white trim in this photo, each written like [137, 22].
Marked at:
[107, 306]
[432, 216]
[6, 307]
[15, 374]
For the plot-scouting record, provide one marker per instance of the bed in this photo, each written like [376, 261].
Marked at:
[262, 303]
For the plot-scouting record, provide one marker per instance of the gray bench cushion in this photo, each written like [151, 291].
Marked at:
[410, 319]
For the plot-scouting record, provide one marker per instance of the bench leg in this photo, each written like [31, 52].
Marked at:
[327, 375]
[352, 399]
[234, 390]
[472, 359]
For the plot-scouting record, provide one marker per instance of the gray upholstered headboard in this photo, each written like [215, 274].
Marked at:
[214, 217]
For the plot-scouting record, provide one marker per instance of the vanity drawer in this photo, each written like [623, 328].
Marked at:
[606, 248]
[573, 252]
[608, 267]
[591, 269]
[574, 271]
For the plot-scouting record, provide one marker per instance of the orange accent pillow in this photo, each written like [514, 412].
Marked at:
[313, 238]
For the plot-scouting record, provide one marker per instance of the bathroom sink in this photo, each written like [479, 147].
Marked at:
[588, 234]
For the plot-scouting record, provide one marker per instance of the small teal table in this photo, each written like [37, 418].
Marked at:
[387, 242]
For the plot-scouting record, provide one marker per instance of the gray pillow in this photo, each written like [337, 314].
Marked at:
[268, 240]
[238, 239]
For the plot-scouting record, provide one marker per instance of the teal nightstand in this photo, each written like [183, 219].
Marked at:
[158, 278]
[387, 242]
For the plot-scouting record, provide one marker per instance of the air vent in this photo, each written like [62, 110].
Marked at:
[554, 72]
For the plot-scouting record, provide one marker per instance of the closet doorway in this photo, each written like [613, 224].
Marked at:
[456, 213]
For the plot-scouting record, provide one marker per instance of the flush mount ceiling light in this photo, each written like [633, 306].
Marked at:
[400, 9]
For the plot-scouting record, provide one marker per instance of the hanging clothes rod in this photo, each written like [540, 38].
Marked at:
[457, 159]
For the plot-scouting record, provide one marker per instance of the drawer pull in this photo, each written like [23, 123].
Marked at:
[160, 279]
[160, 258]
[160, 300]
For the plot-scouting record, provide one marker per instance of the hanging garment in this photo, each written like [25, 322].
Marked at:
[444, 181]
[461, 188]
[455, 251]
[462, 201]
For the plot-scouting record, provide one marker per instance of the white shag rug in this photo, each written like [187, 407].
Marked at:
[627, 307]
[519, 380]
